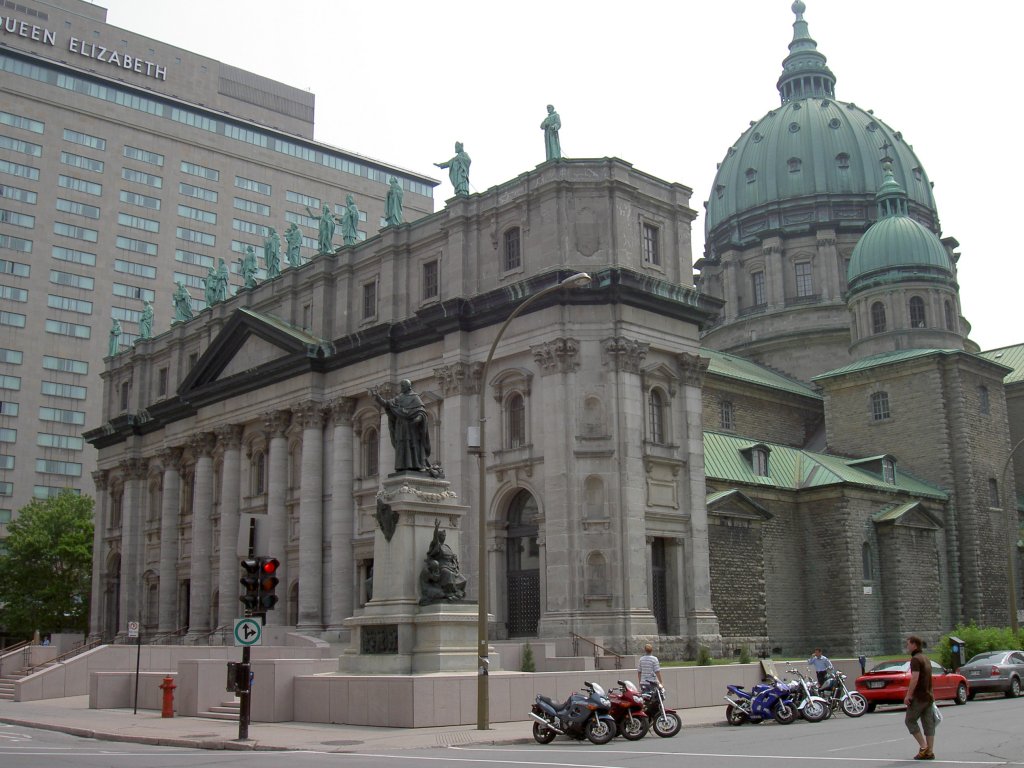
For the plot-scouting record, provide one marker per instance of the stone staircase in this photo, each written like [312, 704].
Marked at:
[226, 710]
[7, 686]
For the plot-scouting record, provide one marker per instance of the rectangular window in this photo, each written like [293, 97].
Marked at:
[138, 222]
[190, 257]
[758, 282]
[78, 233]
[650, 244]
[64, 442]
[52, 467]
[6, 462]
[136, 246]
[369, 301]
[120, 313]
[879, 406]
[513, 254]
[133, 292]
[65, 364]
[74, 256]
[77, 137]
[301, 199]
[15, 268]
[70, 305]
[193, 169]
[62, 415]
[6, 488]
[194, 236]
[161, 382]
[143, 201]
[12, 319]
[21, 171]
[80, 185]
[11, 356]
[74, 281]
[804, 282]
[79, 209]
[81, 161]
[74, 330]
[192, 281]
[51, 491]
[23, 147]
[251, 206]
[57, 389]
[202, 193]
[24, 123]
[141, 177]
[12, 383]
[249, 227]
[17, 219]
[11, 243]
[26, 196]
[8, 435]
[8, 408]
[430, 280]
[197, 214]
[13, 294]
[153, 158]
[253, 186]
[134, 268]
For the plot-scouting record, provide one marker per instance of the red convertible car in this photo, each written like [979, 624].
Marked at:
[886, 683]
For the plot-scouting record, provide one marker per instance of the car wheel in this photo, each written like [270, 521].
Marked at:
[870, 707]
[961, 694]
[1014, 691]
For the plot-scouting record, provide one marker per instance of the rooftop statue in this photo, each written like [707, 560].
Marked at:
[272, 253]
[182, 304]
[325, 229]
[350, 222]
[249, 267]
[393, 203]
[146, 321]
[408, 428]
[551, 125]
[114, 345]
[458, 170]
[293, 240]
[220, 282]
[210, 289]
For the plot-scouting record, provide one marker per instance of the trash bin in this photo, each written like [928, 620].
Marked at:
[957, 652]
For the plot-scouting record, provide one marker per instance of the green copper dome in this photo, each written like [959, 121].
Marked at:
[896, 247]
[813, 161]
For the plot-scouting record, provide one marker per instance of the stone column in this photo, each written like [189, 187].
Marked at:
[99, 560]
[170, 504]
[134, 472]
[229, 440]
[276, 424]
[342, 515]
[386, 452]
[310, 417]
[202, 509]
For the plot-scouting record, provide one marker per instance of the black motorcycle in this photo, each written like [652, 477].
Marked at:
[838, 696]
[664, 721]
[584, 715]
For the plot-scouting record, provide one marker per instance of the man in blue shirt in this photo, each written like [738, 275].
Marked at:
[821, 665]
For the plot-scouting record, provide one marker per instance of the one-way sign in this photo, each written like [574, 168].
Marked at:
[248, 632]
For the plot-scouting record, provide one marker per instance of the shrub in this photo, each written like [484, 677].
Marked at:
[744, 655]
[527, 664]
[703, 656]
[977, 640]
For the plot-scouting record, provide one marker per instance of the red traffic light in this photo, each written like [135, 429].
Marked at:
[269, 565]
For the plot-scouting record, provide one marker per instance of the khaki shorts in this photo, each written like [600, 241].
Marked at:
[920, 711]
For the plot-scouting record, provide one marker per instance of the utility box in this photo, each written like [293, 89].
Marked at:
[238, 677]
[957, 652]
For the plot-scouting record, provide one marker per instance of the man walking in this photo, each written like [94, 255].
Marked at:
[919, 700]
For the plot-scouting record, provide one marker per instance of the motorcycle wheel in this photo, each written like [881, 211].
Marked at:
[735, 715]
[855, 705]
[599, 732]
[785, 713]
[668, 724]
[815, 711]
[634, 728]
[542, 734]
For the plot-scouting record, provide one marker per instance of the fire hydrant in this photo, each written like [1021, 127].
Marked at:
[168, 686]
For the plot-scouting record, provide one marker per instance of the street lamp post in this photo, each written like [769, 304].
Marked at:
[1011, 534]
[482, 689]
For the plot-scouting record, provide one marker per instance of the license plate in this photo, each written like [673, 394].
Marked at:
[975, 673]
[876, 683]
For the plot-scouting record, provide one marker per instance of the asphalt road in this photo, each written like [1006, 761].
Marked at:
[982, 733]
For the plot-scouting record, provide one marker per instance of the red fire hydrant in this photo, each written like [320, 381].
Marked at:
[168, 686]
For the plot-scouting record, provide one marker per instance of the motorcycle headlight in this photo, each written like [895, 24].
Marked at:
[605, 702]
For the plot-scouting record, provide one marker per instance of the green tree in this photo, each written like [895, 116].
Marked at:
[46, 572]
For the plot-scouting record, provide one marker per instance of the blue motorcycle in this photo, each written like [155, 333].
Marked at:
[764, 701]
[583, 715]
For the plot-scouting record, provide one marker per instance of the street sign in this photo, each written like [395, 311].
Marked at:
[248, 632]
[133, 629]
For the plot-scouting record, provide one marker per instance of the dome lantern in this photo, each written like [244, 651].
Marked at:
[804, 71]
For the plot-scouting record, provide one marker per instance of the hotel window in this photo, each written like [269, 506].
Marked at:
[71, 280]
[79, 161]
[369, 301]
[193, 169]
[917, 318]
[65, 364]
[727, 418]
[78, 233]
[430, 280]
[52, 467]
[80, 185]
[153, 158]
[93, 142]
[24, 147]
[513, 255]
[68, 304]
[878, 317]
[140, 177]
[656, 416]
[651, 247]
[74, 256]
[757, 278]
[74, 330]
[880, 406]
[78, 209]
[253, 186]
[138, 222]
[8, 408]
[202, 193]
[804, 281]
[19, 170]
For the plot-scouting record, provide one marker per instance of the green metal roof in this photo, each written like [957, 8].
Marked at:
[795, 469]
[1012, 357]
[888, 358]
[741, 369]
[898, 244]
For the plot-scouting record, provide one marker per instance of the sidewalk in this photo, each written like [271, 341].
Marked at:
[72, 715]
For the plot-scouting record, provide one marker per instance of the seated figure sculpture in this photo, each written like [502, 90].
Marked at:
[440, 579]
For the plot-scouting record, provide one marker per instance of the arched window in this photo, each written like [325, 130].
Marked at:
[983, 400]
[878, 317]
[512, 255]
[597, 574]
[950, 316]
[879, 406]
[725, 410]
[371, 452]
[259, 473]
[593, 498]
[656, 417]
[759, 462]
[889, 471]
[917, 318]
[515, 412]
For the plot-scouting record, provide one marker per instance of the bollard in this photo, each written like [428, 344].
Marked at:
[168, 686]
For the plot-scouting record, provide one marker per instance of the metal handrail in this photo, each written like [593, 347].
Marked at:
[576, 649]
[78, 649]
[11, 650]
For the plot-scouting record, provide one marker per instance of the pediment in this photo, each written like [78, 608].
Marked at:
[912, 514]
[735, 503]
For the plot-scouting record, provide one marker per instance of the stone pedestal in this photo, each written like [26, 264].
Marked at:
[393, 633]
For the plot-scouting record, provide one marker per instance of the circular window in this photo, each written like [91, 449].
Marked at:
[794, 127]
[834, 123]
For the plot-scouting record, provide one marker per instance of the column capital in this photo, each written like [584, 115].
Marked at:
[100, 479]
[561, 355]
[133, 469]
[309, 414]
[228, 436]
[170, 458]
[276, 423]
[692, 368]
[202, 444]
[624, 354]
[459, 378]
[341, 409]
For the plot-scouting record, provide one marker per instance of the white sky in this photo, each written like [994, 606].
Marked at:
[666, 85]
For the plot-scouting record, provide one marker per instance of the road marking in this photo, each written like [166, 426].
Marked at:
[869, 744]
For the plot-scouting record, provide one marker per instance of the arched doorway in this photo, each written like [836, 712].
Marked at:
[522, 566]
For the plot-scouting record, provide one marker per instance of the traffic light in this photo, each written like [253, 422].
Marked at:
[251, 581]
[268, 582]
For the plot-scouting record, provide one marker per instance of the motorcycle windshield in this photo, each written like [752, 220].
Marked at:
[598, 690]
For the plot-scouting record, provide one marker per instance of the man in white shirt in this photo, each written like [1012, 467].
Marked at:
[648, 669]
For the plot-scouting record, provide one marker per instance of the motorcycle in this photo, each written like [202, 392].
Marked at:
[628, 711]
[664, 722]
[760, 703]
[582, 715]
[838, 696]
[809, 705]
